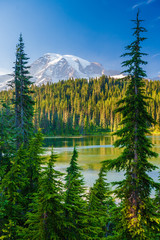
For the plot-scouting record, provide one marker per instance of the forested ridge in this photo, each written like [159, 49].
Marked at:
[84, 107]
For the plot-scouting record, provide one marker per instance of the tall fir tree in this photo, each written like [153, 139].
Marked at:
[18, 188]
[137, 215]
[33, 163]
[100, 206]
[23, 103]
[13, 197]
[75, 203]
[45, 218]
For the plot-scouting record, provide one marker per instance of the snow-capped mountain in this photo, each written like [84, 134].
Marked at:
[54, 67]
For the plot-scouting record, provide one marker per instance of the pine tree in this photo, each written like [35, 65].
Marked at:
[19, 186]
[45, 219]
[137, 216]
[33, 163]
[7, 133]
[100, 206]
[75, 204]
[23, 103]
[13, 197]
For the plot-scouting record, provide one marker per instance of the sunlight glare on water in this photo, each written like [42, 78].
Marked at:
[91, 151]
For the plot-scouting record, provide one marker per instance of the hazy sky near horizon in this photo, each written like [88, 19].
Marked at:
[96, 30]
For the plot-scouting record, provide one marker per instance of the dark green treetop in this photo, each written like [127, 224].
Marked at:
[100, 205]
[34, 160]
[13, 197]
[75, 203]
[45, 219]
[23, 103]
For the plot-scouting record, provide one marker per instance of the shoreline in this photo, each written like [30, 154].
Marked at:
[157, 133]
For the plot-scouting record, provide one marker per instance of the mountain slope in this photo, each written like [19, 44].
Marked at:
[54, 67]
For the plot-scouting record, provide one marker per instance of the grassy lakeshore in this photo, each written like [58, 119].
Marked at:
[94, 133]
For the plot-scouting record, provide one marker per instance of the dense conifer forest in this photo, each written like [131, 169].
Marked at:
[84, 107]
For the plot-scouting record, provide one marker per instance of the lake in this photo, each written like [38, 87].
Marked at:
[92, 150]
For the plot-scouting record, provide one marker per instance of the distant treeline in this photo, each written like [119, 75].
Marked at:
[84, 107]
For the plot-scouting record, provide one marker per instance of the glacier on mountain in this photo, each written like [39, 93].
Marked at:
[52, 67]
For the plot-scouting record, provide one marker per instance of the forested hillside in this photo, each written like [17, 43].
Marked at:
[81, 107]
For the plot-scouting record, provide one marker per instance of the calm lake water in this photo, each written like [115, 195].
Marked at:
[92, 150]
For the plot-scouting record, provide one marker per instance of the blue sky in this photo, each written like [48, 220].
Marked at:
[96, 30]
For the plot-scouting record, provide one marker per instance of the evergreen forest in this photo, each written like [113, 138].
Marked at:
[83, 106]
[38, 202]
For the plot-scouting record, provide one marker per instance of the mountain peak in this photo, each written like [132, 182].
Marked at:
[52, 67]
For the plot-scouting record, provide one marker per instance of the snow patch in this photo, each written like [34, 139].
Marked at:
[118, 76]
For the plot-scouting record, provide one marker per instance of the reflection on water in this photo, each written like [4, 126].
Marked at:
[92, 150]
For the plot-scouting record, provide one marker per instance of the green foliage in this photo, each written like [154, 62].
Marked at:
[137, 218]
[85, 107]
[100, 205]
[156, 202]
[13, 197]
[45, 219]
[8, 232]
[75, 203]
[7, 134]
[18, 187]
[34, 161]
[81, 107]
[23, 103]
